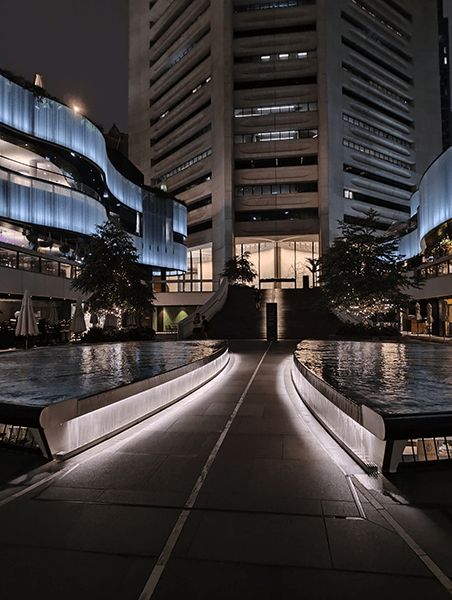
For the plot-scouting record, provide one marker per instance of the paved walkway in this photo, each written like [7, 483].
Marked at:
[236, 492]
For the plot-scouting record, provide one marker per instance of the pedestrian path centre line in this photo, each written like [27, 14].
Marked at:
[165, 555]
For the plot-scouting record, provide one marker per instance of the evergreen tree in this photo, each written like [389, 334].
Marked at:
[239, 270]
[111, 274]
[361, 272]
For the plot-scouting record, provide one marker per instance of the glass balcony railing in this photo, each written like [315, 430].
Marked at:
[13, 258]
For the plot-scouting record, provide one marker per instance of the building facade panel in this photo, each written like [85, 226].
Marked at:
[343, 87]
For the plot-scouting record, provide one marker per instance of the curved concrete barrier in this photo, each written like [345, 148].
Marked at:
[73, 425]
[358, 429]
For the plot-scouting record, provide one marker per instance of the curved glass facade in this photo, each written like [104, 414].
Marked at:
[31, 201]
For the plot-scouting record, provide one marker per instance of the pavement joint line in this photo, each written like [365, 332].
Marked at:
[165, 555]
[30, 488]
[359, 506]
[422, 555]
[406, 537]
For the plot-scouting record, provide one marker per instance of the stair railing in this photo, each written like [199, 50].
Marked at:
[209, 309]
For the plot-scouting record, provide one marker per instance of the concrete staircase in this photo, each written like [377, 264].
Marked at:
[300, 315]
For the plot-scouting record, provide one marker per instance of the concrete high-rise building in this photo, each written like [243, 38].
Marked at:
[273, 120]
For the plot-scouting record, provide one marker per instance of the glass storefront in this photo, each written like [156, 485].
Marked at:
[282, 264]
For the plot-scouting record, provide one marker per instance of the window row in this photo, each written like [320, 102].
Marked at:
[372, 152]
[186, 164]
[166, 91]
[246, 33]
[175, 60]
[350, 194]
[272, 83]
[293, 214]
[273, 57]
[199, 203]
[283, 161]
[438, 270]
[277, 188]
[385, 64]
[270, 136]
[373, 35]
[378, 106]
[372, 129]
[374, 177]
[383, 20]
[271, 5]
[193, 91]
[191, 184]
[259, 111]
[15, 259]
[194, 137]
[364, 77]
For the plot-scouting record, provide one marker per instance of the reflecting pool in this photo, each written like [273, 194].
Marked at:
[38, 377]
[393, 378]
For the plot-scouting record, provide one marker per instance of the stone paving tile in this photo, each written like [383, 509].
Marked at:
[176, 474]
[254, 425]
[261, 504]
[431, 528]
[113, 470]
[299, 478]
[220, 408]
[144, 498]
[334, 508]
[229, 476]
[87, 576]
[303, 448]
[256, 446]
[178, 443]
[261, 539]
[207, 580]
[70, 494]
[201, 423]
[360, 545]
[252, 410]
[38, 523]
[125, 530]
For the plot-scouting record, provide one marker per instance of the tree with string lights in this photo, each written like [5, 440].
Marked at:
[361, 273]
[111, 275]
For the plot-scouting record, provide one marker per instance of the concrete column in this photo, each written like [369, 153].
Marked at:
[222, 136]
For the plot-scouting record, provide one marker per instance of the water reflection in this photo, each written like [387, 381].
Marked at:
[392, 378]
[48, 375]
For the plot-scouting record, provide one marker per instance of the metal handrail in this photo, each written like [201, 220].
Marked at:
[209, 309]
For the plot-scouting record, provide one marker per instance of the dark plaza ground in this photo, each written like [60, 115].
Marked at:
[236, 491]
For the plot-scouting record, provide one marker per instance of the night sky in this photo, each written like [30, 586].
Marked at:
[80, 47]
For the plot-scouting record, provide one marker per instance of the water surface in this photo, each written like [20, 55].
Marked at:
[42, 376]
[393, 378]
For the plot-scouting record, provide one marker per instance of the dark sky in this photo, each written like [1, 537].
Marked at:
[80, 47]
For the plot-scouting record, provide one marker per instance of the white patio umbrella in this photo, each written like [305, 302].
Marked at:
[445, 311]
[430, 318]
[78, 324]
[53, 317]
[417, 309]
[26, 320]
